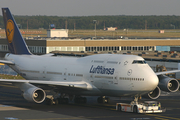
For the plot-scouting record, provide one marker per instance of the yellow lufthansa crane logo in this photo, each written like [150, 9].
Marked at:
[10, 30]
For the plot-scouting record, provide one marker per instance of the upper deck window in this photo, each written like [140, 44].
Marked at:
[139, 62]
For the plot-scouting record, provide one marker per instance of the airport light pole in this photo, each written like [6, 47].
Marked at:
[95, 21]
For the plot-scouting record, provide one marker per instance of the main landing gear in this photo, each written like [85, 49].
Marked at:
[64, 99]
[103, 99]
[51, 101]
[56, 99]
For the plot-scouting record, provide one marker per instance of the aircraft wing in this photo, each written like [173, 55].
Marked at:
[73, 84]
[165, 72]
[7, 62]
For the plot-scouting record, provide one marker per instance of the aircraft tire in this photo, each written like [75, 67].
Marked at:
[49, 101]
[103, 100]
[84, 100]
[63, 100]
[66, 100]
[135, 109]
[107, 100]
[99, 100]
[119, 107]
[56, 101]
[76, 100]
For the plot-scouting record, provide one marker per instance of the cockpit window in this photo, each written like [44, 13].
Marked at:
[139, 62]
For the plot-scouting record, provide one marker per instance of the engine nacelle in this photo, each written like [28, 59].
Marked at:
[153, 94]
[34, 94]
[168, 84]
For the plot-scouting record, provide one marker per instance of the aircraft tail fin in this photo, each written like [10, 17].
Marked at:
[16, 43]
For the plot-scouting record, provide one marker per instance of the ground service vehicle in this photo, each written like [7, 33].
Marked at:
[141, 107]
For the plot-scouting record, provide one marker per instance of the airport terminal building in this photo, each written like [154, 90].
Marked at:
[47, 45]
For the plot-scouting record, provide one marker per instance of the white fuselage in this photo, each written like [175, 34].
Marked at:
[109, 74]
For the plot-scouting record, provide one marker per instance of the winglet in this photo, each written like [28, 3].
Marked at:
[16, 43]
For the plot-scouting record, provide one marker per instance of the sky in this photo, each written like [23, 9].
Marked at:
[92, 7]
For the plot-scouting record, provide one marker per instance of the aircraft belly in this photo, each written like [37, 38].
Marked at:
[93, 92]
[120, 93]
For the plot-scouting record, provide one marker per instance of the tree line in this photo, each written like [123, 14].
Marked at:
[86, 22]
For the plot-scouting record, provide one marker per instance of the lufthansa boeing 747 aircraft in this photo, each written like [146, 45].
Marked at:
[96, 75]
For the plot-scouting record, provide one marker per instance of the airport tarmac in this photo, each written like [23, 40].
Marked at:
[14, 107]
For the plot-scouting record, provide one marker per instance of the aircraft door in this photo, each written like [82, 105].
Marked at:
[116, 78]
[131, 84]
[65, 74]
[91, 80]
[44, 72]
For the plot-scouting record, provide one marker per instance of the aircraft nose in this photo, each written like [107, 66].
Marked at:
[153, 81]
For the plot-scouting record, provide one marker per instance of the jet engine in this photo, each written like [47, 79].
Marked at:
[153, 94]
[31, 92]
[168, 84]
[34, 94]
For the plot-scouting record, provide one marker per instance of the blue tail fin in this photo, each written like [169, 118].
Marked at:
[16, 43]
